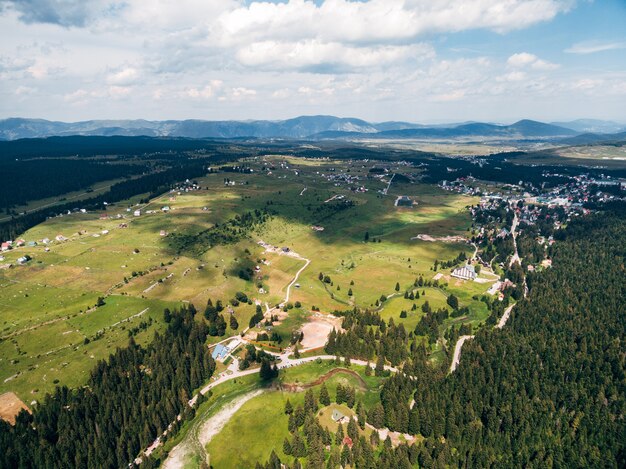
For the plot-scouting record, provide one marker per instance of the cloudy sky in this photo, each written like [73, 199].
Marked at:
[415, 60]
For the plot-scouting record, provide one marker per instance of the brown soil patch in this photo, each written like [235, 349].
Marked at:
[10, 406]
[279, 313]
[317, 329]
[292, 387]
[445, 239]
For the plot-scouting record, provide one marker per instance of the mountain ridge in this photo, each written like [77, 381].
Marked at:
[301, 127]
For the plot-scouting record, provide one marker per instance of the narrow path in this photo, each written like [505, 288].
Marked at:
[128, 318]
[386, 189]
[515, 257]
[295, 279]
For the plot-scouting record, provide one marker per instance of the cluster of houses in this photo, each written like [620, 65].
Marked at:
[8, 245]
[187, 186]
[460, 186]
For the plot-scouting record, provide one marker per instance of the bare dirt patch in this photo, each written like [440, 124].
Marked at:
[445, 239]
[10, 406]
[317, 329]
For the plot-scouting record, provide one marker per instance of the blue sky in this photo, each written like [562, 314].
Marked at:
[415, 60]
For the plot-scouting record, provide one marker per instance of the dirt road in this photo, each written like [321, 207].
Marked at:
[295, 279]
[203, 431]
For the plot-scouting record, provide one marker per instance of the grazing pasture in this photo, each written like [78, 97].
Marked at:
[105, 276]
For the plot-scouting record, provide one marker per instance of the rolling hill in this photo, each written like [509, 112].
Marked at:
[303, 127]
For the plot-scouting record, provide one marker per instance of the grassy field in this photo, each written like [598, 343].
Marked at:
[261, 424]
[47, 306]
[594, 155]
[74, 196]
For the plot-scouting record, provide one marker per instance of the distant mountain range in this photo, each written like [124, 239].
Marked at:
[304, 127]
[592, 126]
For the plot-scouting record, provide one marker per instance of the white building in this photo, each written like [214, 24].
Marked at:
[465, 272]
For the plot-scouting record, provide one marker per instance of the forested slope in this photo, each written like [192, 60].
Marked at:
[127, 402]
[549, 389]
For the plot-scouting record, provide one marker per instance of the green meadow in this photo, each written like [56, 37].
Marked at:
[261, 423]
[52, 332]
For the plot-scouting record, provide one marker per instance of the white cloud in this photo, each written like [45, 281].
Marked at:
[25, 90]
[320, 56]
[524, 59]
[125, 76]
[591, 47]
[242, 93]
[378, 20]
[117, 92]
[206, 92]
[234, 58]
[512, 76]
[453, 95]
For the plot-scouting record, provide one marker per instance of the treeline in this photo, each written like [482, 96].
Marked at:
[153, 184]
[23, 181]
[89, 146]
[229, 232]
[347, 447]
[360, 340]
[548, 390]
[128, 401]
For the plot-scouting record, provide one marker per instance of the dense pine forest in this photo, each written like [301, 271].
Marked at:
[548, 390]
[127, 403]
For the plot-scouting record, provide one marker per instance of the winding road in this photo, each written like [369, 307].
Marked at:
[457, 351]
[295, 279]
[456, 358]
[505, 317]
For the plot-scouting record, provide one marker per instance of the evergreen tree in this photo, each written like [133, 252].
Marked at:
[234, 325]
[360, 413]
[324, 396]
[310, 404]
[339, 435]
[288, 407]
[353, 431]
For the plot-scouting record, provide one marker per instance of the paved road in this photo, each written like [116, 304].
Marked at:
[457, 351]
[507, 312]
[386, 189]
[515, 257]
[285, 362]
[505, 317]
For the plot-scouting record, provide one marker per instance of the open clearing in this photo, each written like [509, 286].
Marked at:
[317, 329]
[53, 333]
[10, 406]
[266, 412]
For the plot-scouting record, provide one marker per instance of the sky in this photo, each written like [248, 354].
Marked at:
[425, 61]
